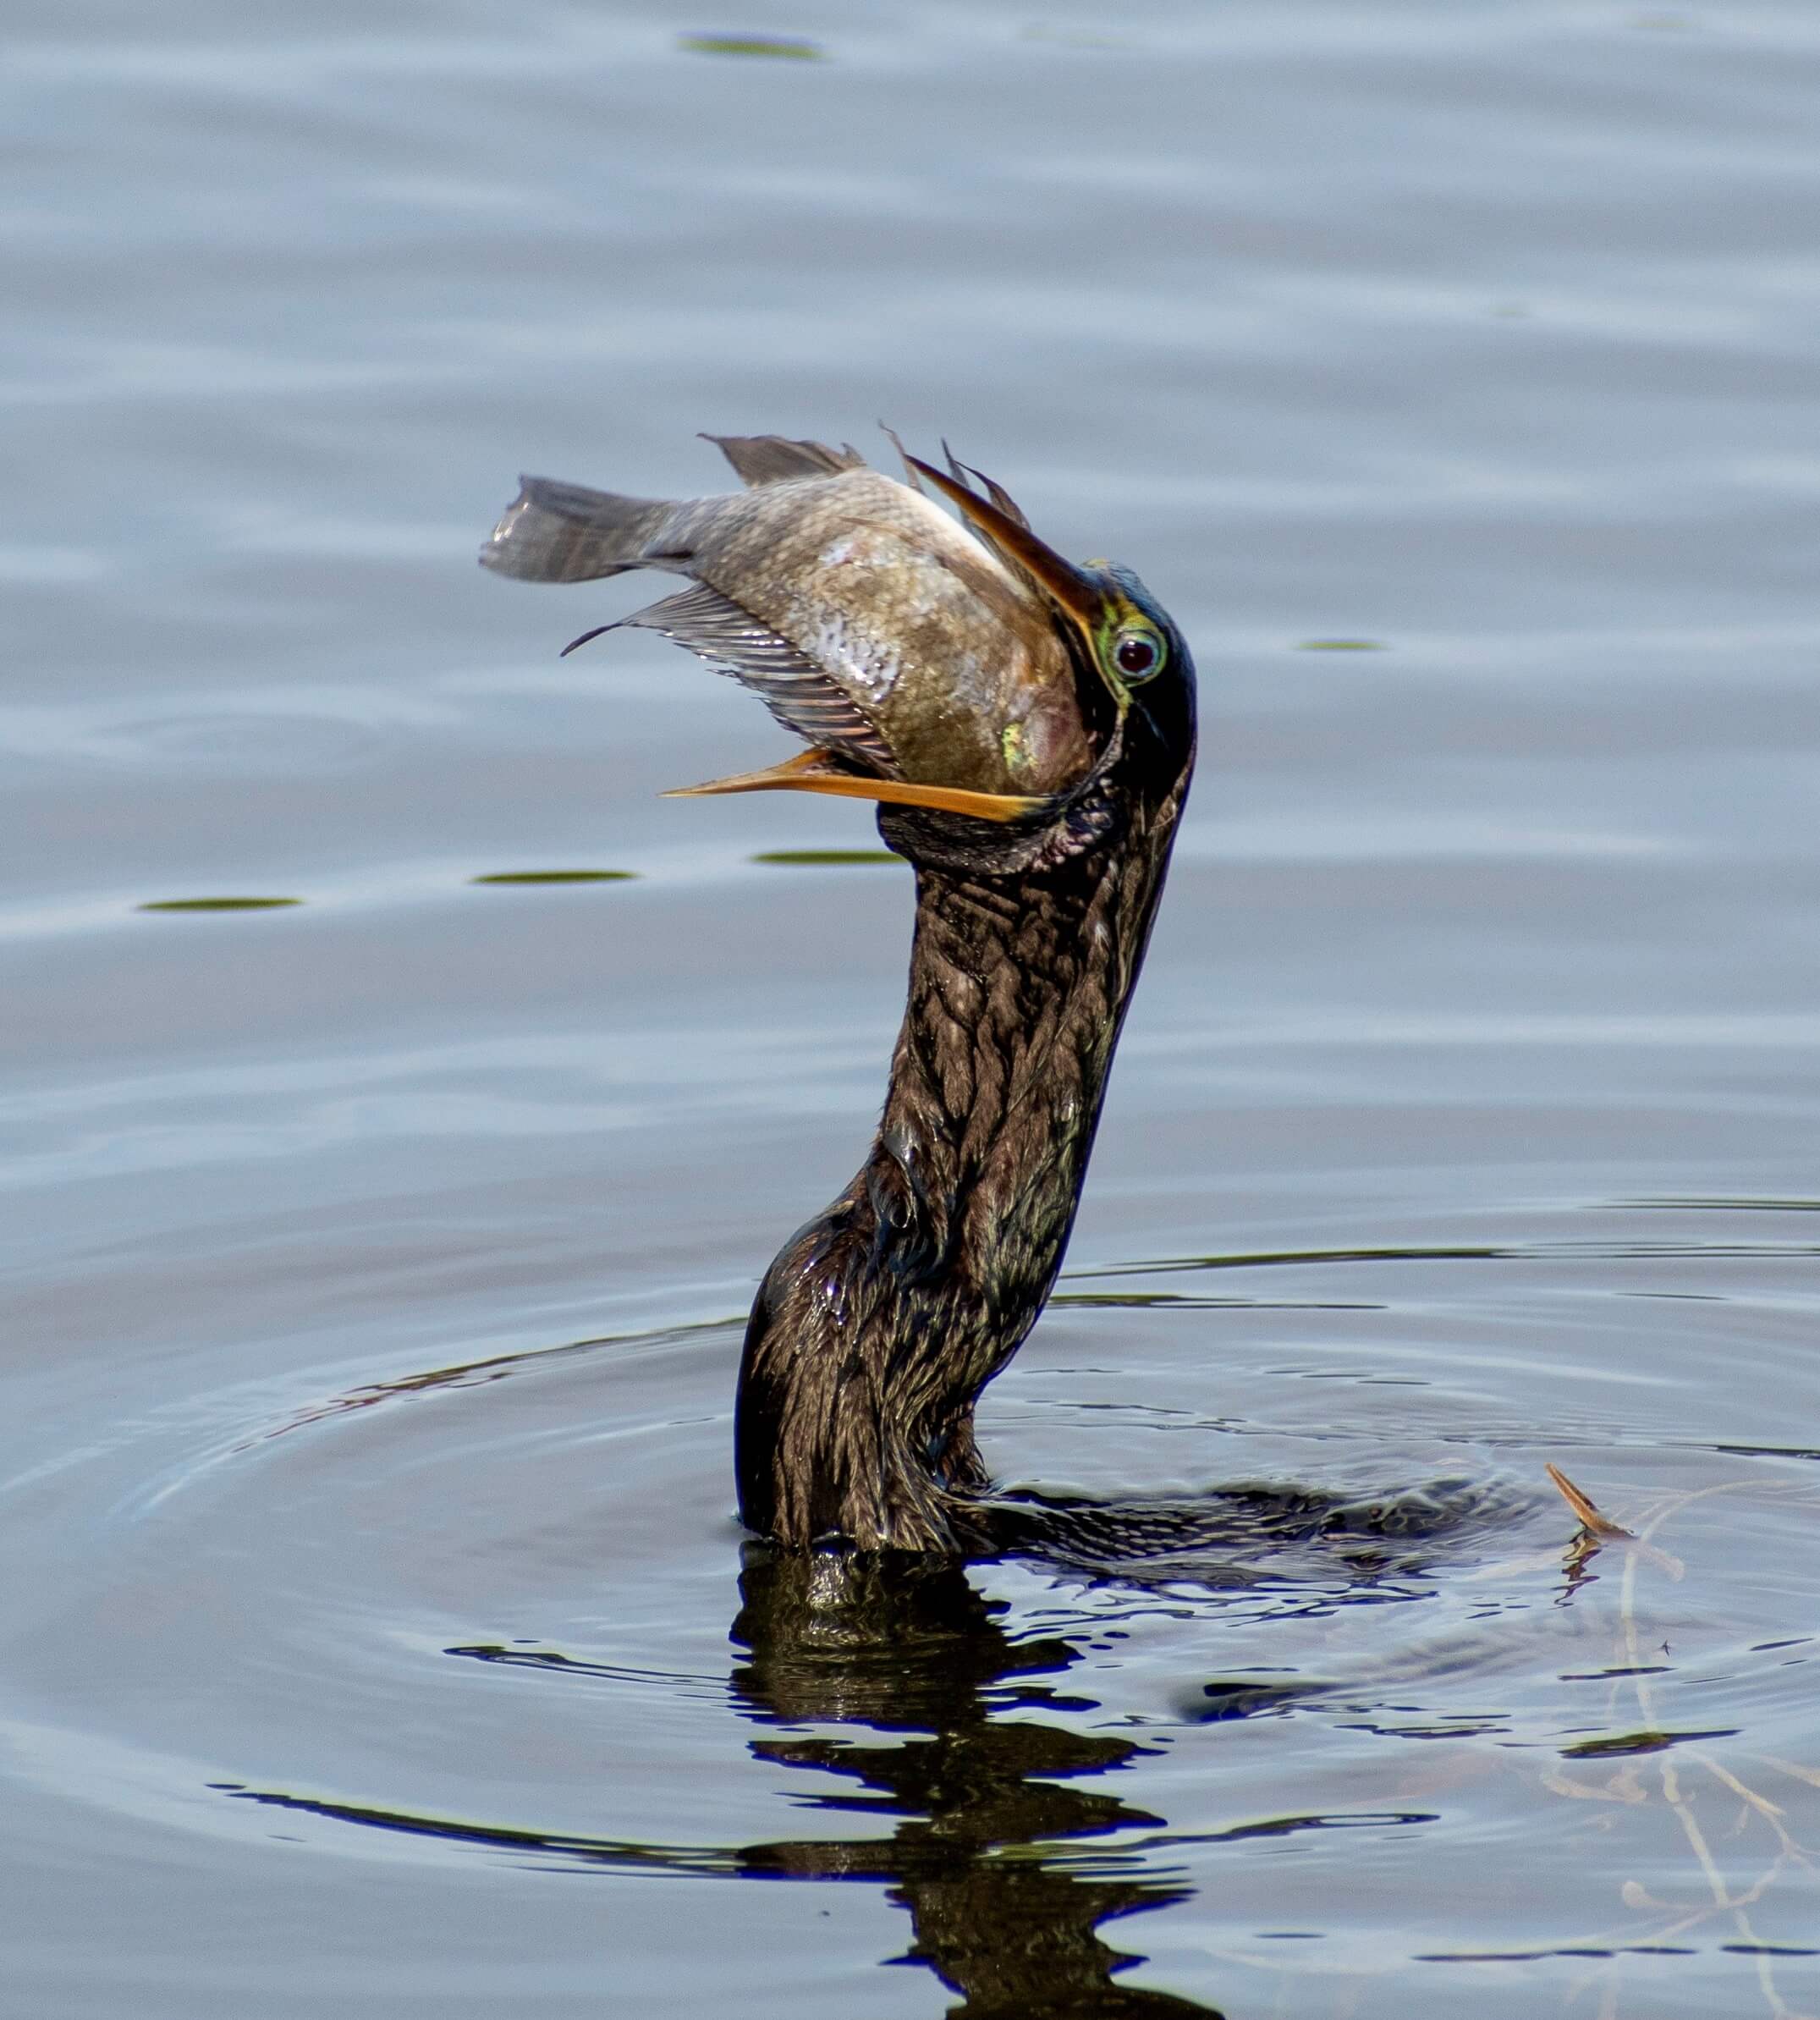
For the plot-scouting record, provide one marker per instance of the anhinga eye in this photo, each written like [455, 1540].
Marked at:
[1137, 653]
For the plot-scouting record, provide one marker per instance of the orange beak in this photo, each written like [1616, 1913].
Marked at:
[820, 772]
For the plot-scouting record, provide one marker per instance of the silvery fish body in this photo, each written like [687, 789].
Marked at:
[872, 623]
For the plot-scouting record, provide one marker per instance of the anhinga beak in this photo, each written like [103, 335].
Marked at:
[1079, 596]
[820, 772]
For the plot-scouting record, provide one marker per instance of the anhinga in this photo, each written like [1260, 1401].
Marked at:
[1027, 727]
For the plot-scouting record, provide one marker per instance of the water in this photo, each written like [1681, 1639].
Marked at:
[374, 1631]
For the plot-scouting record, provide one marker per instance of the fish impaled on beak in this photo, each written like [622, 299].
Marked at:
[924, 666]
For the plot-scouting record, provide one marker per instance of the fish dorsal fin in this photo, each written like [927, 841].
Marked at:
[770, 458]
[964, 473]
[793, 687]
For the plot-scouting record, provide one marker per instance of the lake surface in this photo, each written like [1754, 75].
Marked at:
[376, 1634]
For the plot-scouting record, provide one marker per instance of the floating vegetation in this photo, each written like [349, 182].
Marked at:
[1583, 1506]
[814, 858]
[558, 877]
[217, 904]
[792, 48]
[1617, 1745]
[1342, 644]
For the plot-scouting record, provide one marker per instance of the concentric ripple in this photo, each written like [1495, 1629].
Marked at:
[494, 1610]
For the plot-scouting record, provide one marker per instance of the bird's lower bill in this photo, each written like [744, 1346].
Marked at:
[819, 771]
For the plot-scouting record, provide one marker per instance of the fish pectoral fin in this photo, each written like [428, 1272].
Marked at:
[798, 693]
[770, 458]
[820, 772]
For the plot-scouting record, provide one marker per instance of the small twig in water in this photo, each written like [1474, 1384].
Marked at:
[1585, 1512]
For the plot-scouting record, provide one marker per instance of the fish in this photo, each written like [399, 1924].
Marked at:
[902, 645]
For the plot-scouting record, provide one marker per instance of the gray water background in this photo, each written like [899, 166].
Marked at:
[1466, 1118]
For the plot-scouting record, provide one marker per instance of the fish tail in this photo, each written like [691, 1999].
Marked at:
[555, 532]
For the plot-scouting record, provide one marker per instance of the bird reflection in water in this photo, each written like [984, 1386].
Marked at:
[917, 1665]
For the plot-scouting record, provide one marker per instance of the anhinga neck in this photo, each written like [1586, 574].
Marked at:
[880, 1321]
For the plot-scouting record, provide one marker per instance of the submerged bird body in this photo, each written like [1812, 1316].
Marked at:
[880, 1322]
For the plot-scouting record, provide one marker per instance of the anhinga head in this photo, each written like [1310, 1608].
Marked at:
[1134, 679]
